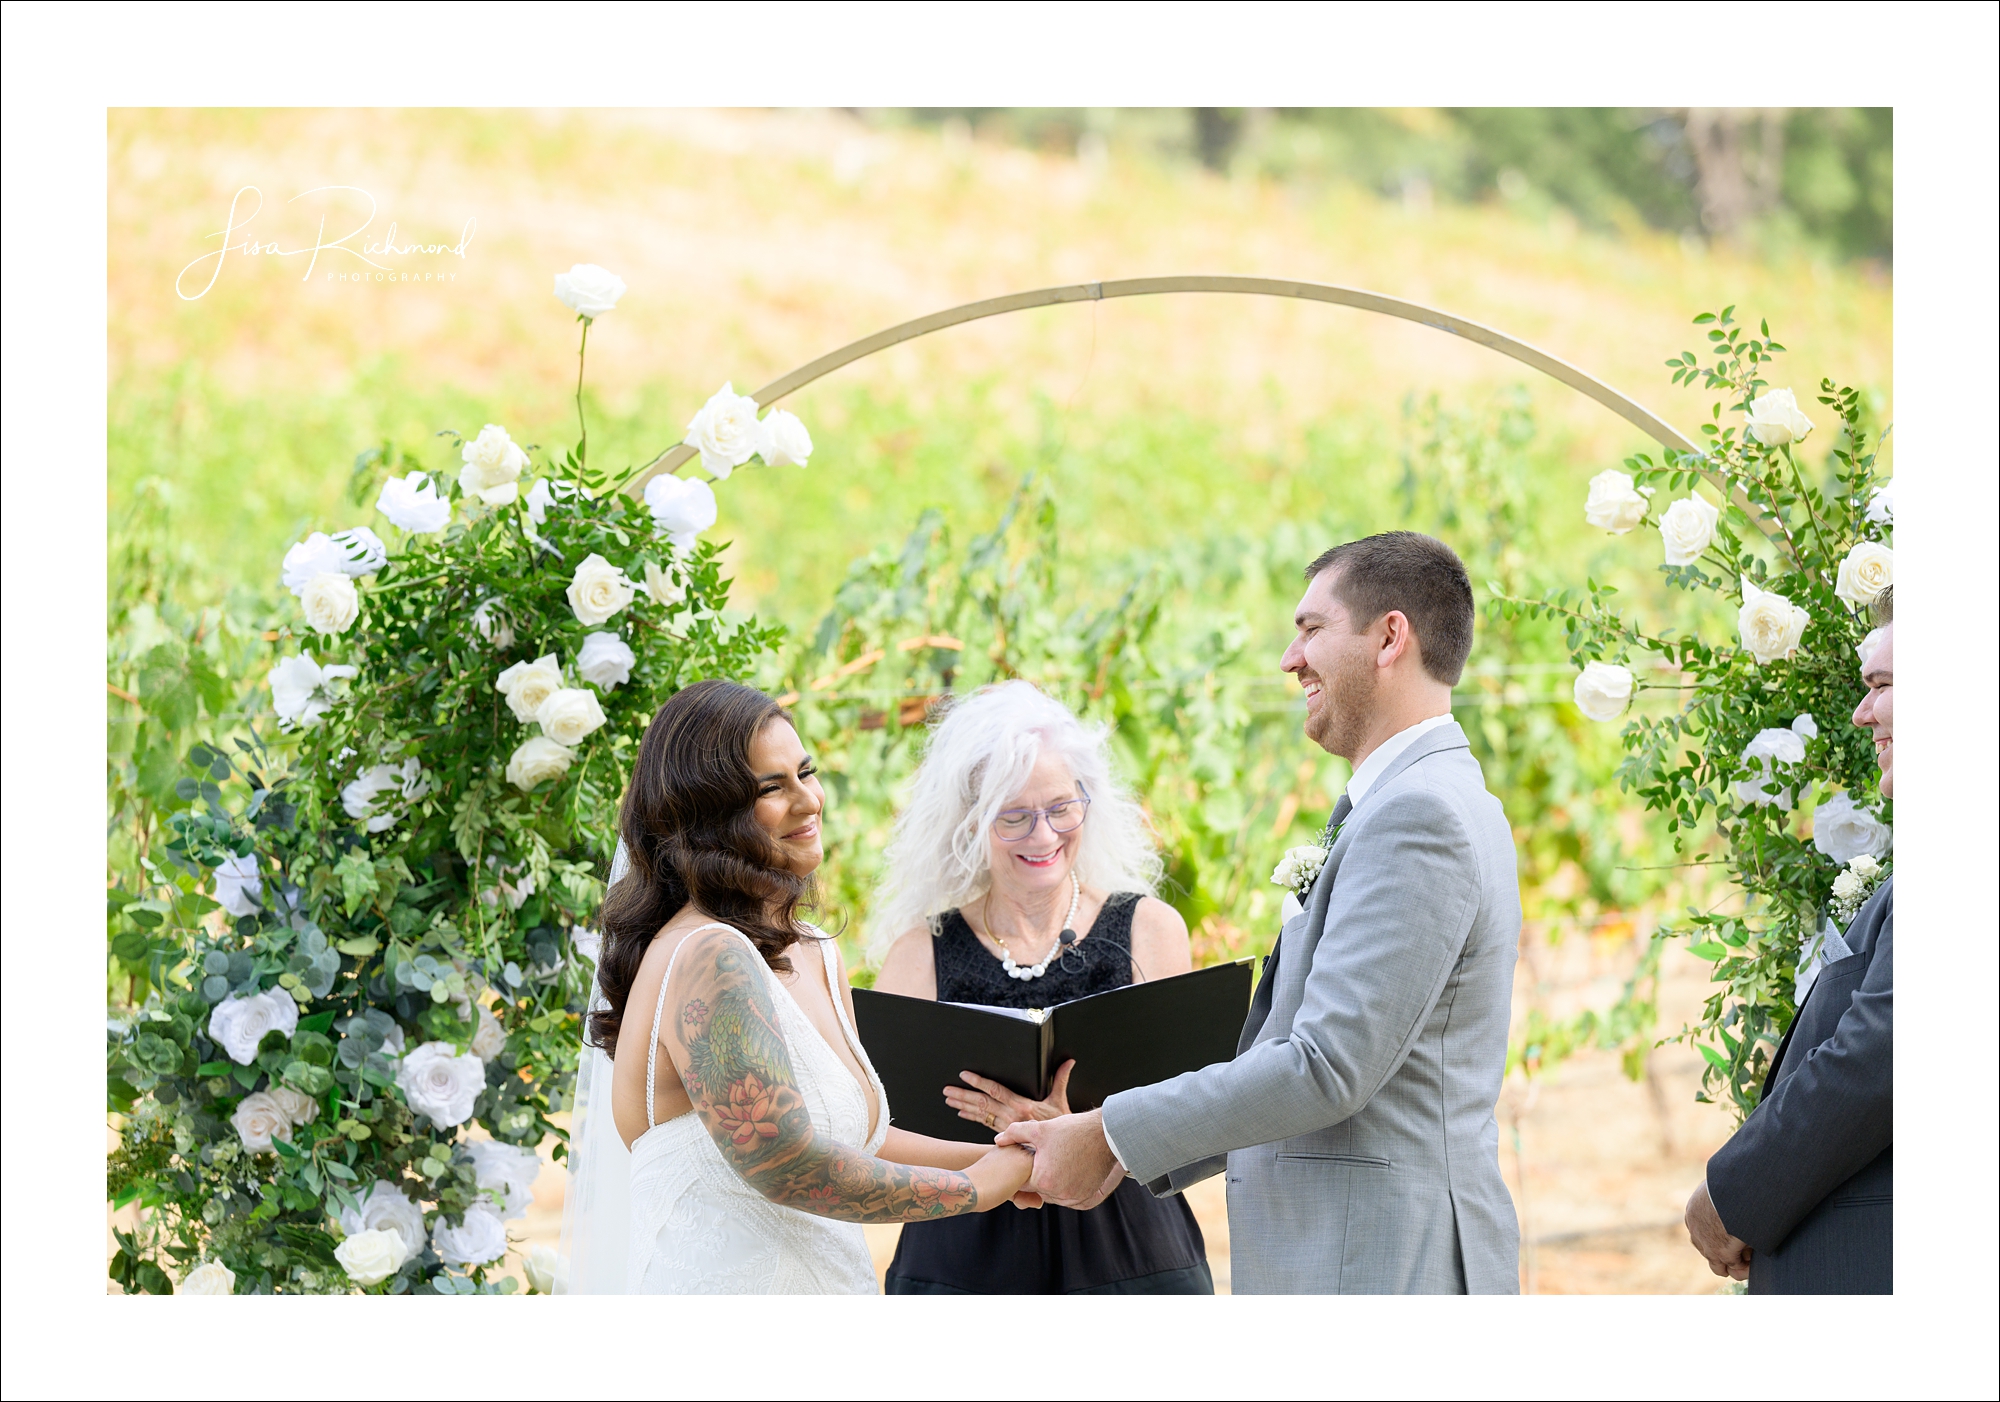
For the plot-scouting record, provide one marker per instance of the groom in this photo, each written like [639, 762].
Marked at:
[1356, 1123]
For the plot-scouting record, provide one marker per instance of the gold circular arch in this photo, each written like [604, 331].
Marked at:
[1623, 406]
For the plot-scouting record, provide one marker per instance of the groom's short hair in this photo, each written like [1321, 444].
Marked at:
[1415, 575]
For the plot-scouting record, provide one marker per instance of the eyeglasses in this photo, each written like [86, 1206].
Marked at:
[1015, 824]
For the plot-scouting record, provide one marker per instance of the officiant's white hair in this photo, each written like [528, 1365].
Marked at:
[979, 758]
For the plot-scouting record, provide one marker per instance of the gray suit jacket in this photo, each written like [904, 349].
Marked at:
[1357, 1118]
[1809, 1180]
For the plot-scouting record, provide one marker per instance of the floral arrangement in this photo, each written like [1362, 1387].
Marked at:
[367, 931]
[1759, 744]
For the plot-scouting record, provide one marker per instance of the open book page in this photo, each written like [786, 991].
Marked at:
[1035, 1015]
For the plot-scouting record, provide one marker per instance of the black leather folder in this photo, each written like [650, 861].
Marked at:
[1128, 1037]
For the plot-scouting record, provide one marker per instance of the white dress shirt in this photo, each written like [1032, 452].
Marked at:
[1365, 778]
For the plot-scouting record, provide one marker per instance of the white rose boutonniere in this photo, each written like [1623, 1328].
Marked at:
[493, 466]
[1770, 625]
[1851, 888]
[330, 602]
[1768, 752]
[1603, 690]
[536, 759]
[588, 290]
[1844, 830]
[259, 1120]
[1298, 868]
[682, 508]
[786, 442]
[1774, 419]
[386, 1207]
[480, 1238]
[527, 684]
[370, 1257]
[598, 590]
[1687, 528]
[411, 503]
[440, 1081]
[1614, 504]
[1865, 573]
[238, 1024]
[569, 715]
[209, 1278]
[725, 431]
[302, 690]
[605, 659]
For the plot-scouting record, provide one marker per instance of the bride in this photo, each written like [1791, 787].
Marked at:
[757, 1130]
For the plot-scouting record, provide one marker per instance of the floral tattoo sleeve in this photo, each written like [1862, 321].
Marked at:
[738, 1073]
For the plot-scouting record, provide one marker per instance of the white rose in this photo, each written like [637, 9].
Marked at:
[1844, 830]
[369, 1258]
[1882, 506]
[259, 1120]
[569, 715]
[597, 590]
[492, 627]
[1687, 528]
[209, 1278]
[536, 759]
[1774, 419]
[1865, 867]
[317, 554]
[542, 495]
[1804, 726]
[238, 886]
[491, 1038]
[329, 602]
[527, 684]
[294, 1105]
[682, 507]
[507, 1170]
[412, 503]
[385, 1207]
[786, 442]
[440, 1081]
[1864, 573]
[1614, 505]
[1769, 624]
[589, 290]
[301, 689]
[726, 431]
[238, 1024]
[360, 797]
[604, 660]
[493, 464]
[661, 586]
[1603, 690]
[1762, 756]
[481, 1238]
[1847, 886]
[361, 551]
[541, 1264]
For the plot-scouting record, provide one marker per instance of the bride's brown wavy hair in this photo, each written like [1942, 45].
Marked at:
[691, 835]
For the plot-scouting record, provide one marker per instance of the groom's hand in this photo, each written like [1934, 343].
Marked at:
[1726, 1254]
[1074, 1167]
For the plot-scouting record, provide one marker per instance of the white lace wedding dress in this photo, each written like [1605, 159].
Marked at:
[699, 1229]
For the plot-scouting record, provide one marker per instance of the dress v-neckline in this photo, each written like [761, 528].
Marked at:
[870, 1095]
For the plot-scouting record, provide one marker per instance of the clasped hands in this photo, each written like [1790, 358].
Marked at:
[1074, 1166]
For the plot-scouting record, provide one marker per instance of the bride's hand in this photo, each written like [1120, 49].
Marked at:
[1001, 1175]
[991, 1104]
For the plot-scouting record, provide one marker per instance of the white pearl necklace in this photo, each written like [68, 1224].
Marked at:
[1056, 950]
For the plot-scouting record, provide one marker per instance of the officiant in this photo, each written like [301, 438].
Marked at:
[1021, 875]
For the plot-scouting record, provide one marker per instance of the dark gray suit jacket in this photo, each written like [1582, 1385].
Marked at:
[1809, 1179]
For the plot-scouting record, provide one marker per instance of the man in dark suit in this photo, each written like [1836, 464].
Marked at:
[1800, 1200]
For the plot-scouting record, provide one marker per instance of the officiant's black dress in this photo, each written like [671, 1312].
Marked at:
[1132, 1243]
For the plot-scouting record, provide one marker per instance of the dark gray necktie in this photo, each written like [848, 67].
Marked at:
[1260, 1002]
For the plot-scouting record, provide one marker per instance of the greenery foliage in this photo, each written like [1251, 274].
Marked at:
[1786, 527]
